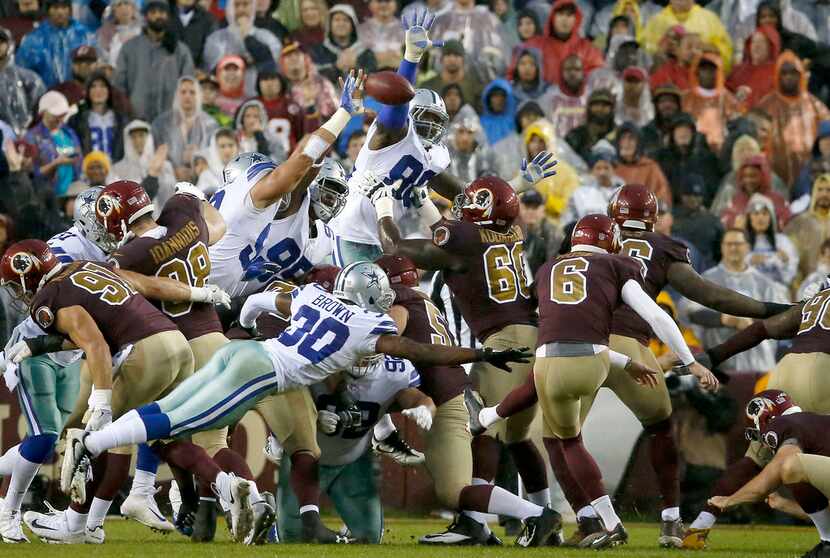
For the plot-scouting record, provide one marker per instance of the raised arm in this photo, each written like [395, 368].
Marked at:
[694, 287]
[267, 302]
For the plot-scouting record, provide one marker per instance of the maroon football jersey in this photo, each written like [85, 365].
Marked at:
[122, 315]
[426, 324]
[814, 332]
[180, 253]
[657, 252]
[492, 292]
[578, 294]
[807, 430]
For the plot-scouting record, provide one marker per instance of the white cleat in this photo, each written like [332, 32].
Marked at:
[52, 527]
[94, 535]
[10, 528]
[273, 450]
[142, 507]
[264, 515]
[242, 515]
[75, 466]
[175, 497]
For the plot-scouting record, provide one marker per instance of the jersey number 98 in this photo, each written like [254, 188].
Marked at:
[193, 271]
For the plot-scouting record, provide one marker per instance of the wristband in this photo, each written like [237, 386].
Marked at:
[618, 360]
[101, 398]
[429, 213]
[385, 207]
[43, 344]
[315, 147]
[337, 122]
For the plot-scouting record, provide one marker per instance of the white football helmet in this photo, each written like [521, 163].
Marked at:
[429, 113]
[244, 163]
[364, 284]
[329, 191]
[85, 220]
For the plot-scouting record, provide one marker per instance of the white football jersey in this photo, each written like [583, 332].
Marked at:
[68, 247]
[373, 393]
[231, 256]
[408, 161]
[326, 336]
[285, 250]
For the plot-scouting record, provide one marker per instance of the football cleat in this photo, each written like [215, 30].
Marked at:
[615, 537]
[175, 497]
[75, 466]
[141, 506]
[695, 539]
[52, 527]
[273, 450]
[671, 534]
[242, 515]
[315, 532]
[537, 530]
[264, 516]
[473, 402]
[204, 521]
[493, 540]
[463, 531]
[94, 535]
[587, 529]
[395, 448]
[821, 550]
[10, 527]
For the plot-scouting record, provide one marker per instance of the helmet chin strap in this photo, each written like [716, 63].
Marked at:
[126, 235]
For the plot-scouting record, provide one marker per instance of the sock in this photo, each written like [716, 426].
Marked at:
[488, 416]
[486, 452]
[735, 476]
[143, 482]
[384, 427]
[821, 519]
[503, 502]
[670, 514]
[75, 521]
[115, 475]
[309, 508]
[480, 518]
[305, 479]
[574, 494]
[605, 511]
[704, 520]
[231, 462]
[24, 472]
[98, 512]
[540, 497]
[222, 482]
[126, 431]
[585, 470]
[586, 511]
[8, 459]
[530, 465]
[665, 461]
[520, 399]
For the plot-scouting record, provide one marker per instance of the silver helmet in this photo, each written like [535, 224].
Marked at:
[329, 191]
[430, 116]
[240, 164]
[364, 284]
[87, 223]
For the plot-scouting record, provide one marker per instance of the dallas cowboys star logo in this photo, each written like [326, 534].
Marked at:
[374, 280]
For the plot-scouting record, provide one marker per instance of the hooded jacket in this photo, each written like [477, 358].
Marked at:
[770, 244]
[170, 128]
[558, 188]
[741, 198]
[112, 36]
[80, 122]
[809, 230]
[135, 166]
[795, 122]
[795, 28]
[711, 109]
[643, 12]
[655, 133]
[325, 54]
[264, 141]
[555, 50]
[468, 166]
[497, 126]
[47, 50]
[677, 163]
[20, 91]
[211, 178]
[761, 77]
[325, 102]
[534, 90]
[641, 169]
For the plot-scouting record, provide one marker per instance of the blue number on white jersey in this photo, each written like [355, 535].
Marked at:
[283, 260]
[310, 337]
[410, 171]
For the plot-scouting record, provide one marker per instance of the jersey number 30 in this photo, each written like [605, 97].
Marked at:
[311, 334]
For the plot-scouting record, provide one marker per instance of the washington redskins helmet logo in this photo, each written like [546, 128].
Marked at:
[44, 317]
[22, 263]
[482, 199]
[771, 440]
[106, 205]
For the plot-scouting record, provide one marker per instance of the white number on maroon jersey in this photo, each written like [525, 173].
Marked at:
[504, 269]
[568, 284]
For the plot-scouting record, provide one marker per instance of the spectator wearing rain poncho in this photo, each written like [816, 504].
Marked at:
[790, 21]
[121, 23]
[252, 133]
[145, 163]
[342, 49]
[637, 11]
[623, 52]
[526, 78]
[20, 89]
[744, 147]
[257, 46]
[498, 120]
[314, 93]
[479, 30]
[771, 252]
[634, 104]
[470, 155]
[185, 128]
[222, 148]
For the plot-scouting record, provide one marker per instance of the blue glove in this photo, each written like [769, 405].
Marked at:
[351, 99]
[417, 37]
[539, 168]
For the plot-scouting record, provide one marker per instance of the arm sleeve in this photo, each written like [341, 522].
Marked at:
[662, 324]
[393, 117]
[255, 305]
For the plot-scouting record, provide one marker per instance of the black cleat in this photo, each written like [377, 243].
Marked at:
[615, 537]
[184, 520]
[493, 540]
[204, 525]
[821, 550]
[264, 517]
[538, 530]
[474, 404]
[315, 532]
[394, 447]
[671, 534]
[587, 529]
[463, 531]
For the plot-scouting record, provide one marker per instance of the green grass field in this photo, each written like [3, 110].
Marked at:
[128, 539]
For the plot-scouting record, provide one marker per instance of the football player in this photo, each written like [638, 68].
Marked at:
[448, 455]
[482, 260]
[578, 293]
[347, 472]
[47, 386]
[85, 302]
[801, 462]
[801, 374]
[255, 190]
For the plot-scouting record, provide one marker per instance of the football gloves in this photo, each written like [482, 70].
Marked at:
[500, 359]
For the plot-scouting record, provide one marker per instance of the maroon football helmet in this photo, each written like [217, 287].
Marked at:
[25, 266]
[488, 200]
[400, 270]
[764, 407]
[323, 276]
[119, 205]
[597, 230]
[634, 206]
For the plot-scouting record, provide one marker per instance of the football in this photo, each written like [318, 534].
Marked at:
[389, 88]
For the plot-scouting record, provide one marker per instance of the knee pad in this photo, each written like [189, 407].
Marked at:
[39, 448]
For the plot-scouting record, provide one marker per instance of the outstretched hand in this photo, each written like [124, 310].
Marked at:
[501, 359]
[417, 39]
[539, 168]
[351, 98]
[642, 374]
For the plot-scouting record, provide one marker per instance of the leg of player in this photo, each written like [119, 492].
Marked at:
[808, 478]
[113, 478]
[140, 505]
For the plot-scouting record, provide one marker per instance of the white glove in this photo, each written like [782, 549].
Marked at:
[327, 421]
[190, 189]
[421, 415]
[210, 294]
[18, 352]
[273, 450]
[417, 36]
[369, 183]
[100, 409]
